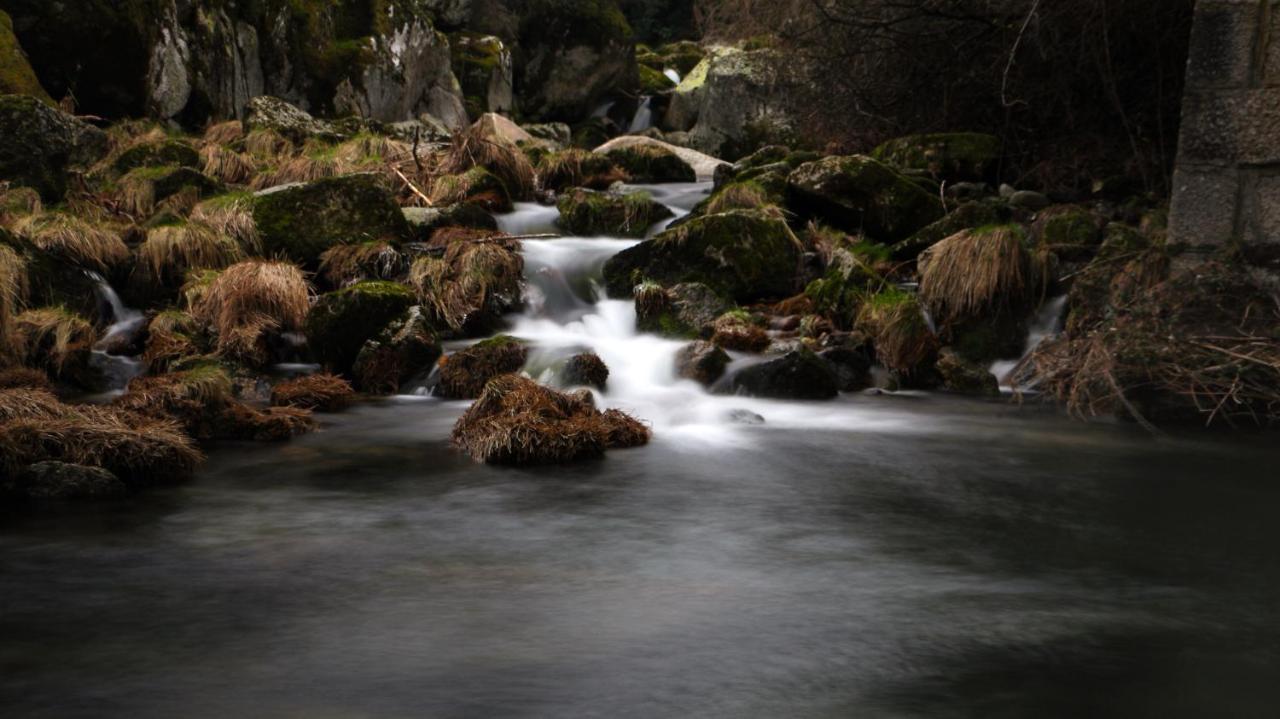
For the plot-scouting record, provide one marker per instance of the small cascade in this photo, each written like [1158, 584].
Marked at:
[529, 218]
[603, 110]
[117, 369]
[1047, 323]
[672, 75]
[643, 119]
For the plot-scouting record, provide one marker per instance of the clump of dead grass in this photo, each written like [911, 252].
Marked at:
[343, 265]
[271, 424]
[517, 421]
[224, 133]
[171, 251]
[54, 338]
[474, 282]
[249, 301]
[73, 240]
[231, 215]
[464, 374]
[227, 165]
[895, 320]
[320, 392]
[977, 271]
[476, 147]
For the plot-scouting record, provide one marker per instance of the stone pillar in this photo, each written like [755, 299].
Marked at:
[1227, 180]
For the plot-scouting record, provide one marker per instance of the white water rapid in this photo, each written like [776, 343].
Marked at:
[117, 369]
[672, 75]
[567, 312]
[1046, 323]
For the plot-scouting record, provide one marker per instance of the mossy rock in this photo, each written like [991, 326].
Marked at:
[424, 221]
[966, 217]
[861, 194]
[302, 221]
[167, 153]
[684, 311]
[590, 213]
[1072, 233]
[42, 145]
[405, 348]
[743, 255]
[651, 164]
[681, 56]
[169, 181]
[963, 376]
[341, 322]
[574, 55]
[947, 156]
[16, 75]
[476, 186]
[654, 82]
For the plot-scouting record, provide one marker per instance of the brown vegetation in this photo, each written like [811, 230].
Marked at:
[473, 278]
[73, 240]
[976, 271]
[321, 392]
[250, 300]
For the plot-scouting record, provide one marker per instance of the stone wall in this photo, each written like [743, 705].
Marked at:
[1227, 181]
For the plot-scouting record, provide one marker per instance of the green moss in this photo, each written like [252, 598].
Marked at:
[861, 194]
[340, 323]
[953, 156]
[967, 216]
[652, 164]
[586, 212]
[499, 341]
[167, 153]
[16, 75]
[654, 82]
[302, 222]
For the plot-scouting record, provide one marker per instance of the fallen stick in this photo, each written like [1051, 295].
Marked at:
[412, 187]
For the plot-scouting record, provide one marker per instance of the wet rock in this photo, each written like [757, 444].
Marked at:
[60, 481]
[573, 56]
[951, 157]
[464, 374]
[651, 163]
[744, 416]
[797, 375]
[517, 421]
[744, 255]
[424, 221]
[965, 377]
[43, 145]
[704, 166]
[590, 213]
[860, 194]
[272, 113]
[701, 362]
[302, 221]
[852, 366]
[685, 310]
[1072, 233]
[558, 134]
[405, 349]
[341, 322]
[585, 369]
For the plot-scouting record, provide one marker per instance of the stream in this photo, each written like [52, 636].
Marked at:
[880, 555]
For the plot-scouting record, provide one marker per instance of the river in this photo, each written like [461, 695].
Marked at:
[909, 555]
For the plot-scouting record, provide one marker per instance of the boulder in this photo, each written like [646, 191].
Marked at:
[517, 421]
[287, 120]
[40, 145]
[558, 134]
[860, 194]
[302, 221]
[701, 362]
[586, 369]
[424, 221]
[484, 66]
[650, 163]
[591, 213]
[1071, 232]
[966, 217]
[963, 376]
[743, 255]
[341, 322]
[173, 153]
[573, 56]
[704, 166]
[60, 481]
[464, 374]
[797, 375]
[951, 157]
[16, 75]
[852, 365]
[404, 349]
[685, 310]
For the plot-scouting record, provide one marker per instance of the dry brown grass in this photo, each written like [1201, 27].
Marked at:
[895, 320]
[227, 165]
[51, 336]
[224, 133]
[320, 392]
[446, 236]
[29, 402]
[471, 278]
[171, 251]
[474, 147]
[733, 332]
[577, 168]
[164, 349]
[738, 196]
[250, 300]
[305, 168]
[24, 378]
[18, 202]
[976, 271]
[344, 265]
[231, 215]
[193, 397]
[268, 145]
[13, 293]
[517, 421]
[272, 424]
[73, 240]
[368, 151]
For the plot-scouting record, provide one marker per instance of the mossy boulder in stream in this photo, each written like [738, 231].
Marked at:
[647, 163]
[341, 322]
[743, 255]
[860, 194]
[587, 212]
[405, 348]
[684, 311]
[797, 375]
[302, 221]
[947, 156]
[42, 145]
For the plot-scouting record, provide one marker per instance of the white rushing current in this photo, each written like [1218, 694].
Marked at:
[566, 313]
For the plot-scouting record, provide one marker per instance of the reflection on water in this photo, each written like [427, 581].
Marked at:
[961, 559]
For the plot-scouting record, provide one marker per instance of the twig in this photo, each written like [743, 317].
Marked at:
[412, 187]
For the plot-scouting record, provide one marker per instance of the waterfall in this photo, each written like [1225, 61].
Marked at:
[1046, 323]
[567, 312]
[643, 119]
[602, 110]
[117, 370]
[672, 75]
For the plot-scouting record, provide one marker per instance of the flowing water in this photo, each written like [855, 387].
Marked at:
[1046, 323]
[643, 119]
[878, 556]
[117, 369]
